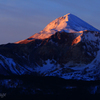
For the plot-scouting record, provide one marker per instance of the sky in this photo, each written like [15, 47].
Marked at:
[20, 19]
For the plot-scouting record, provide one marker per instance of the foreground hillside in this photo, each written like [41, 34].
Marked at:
[47, 87]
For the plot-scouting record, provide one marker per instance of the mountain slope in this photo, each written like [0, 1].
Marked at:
[54, 56]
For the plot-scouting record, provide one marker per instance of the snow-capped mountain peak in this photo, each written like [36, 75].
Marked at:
[68, 23]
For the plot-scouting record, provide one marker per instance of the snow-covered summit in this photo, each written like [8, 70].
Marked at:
[68, 23]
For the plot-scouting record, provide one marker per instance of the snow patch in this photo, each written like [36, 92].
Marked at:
[46, 67]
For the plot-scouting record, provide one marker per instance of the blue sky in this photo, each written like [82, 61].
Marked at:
[20, 19]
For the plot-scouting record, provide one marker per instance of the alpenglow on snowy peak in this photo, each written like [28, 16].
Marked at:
[68, 23]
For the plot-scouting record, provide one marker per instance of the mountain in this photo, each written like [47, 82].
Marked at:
[67, 47]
